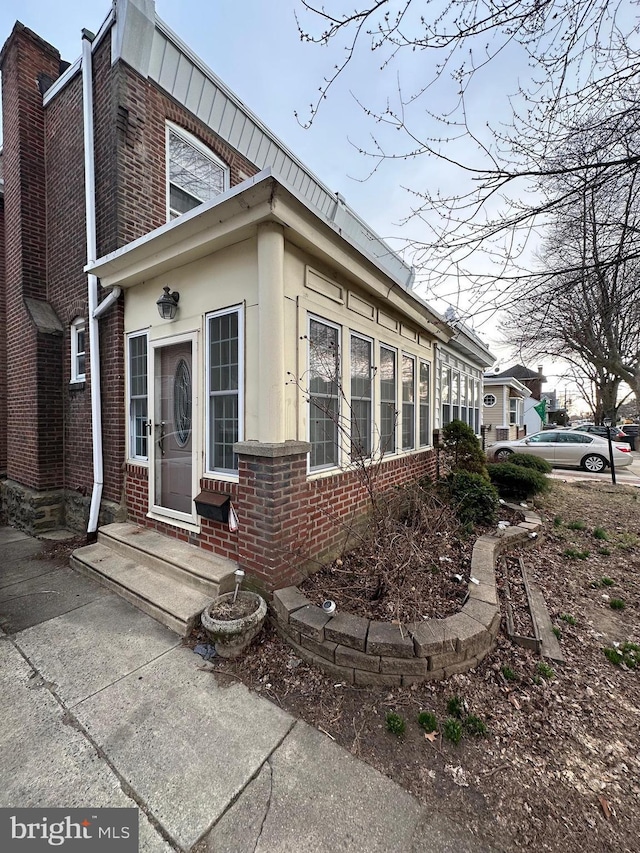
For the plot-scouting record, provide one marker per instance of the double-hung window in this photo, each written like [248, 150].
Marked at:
[78, 350]
[424, 392]
[514, 410]
[388, 396]
[361, 396]
[324, 383]
[225, 381]
[408, 402]
[446, 396]
[194, 173]
[138, 411]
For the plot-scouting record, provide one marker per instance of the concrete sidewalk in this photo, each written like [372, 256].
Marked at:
[102, 706]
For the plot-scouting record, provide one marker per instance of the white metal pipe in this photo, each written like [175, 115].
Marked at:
[107, 302]
[92, 283]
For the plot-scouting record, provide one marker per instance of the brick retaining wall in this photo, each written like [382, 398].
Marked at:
[364, 652]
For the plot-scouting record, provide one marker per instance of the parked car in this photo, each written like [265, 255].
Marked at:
[616, 433]
[567, 447]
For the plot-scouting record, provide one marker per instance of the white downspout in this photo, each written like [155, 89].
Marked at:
[92, 283]
[107, 302]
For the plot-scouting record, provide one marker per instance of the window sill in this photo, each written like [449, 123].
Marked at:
[77, 385]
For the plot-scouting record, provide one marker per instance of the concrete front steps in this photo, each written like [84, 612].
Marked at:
[170, 580]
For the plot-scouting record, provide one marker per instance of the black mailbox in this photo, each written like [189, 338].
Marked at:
[213, 505]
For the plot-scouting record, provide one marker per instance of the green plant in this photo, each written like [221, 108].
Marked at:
[577, 525]
[455, 707]
[606, 552]
[515, 481]
[626, 541]
[428, 721]
[627, 654]
[510, 674]
[528, 460]
[474, 498]
[617, 604]
[462, 448]
[557, 521]
[600, 533]
[605, 581]
[544, 670]
[575, 554]
[452, 730]
[475, 726]
[395, 723]
[558, 633]
[568, 618]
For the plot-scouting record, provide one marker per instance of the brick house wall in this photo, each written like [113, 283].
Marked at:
[3, 348]
[285, 519]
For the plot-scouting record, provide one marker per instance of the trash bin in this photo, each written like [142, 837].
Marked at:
[632, 431]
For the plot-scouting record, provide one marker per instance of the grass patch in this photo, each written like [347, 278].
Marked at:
[557, 521]
[557, 633]
[627, 654]
[578, 524]
[605, 552]
[575, 554]
[428, 721]
[395, 724]
[455, 707]
[617, 604]
[452, 730]
[569, 619]
[600, 533]
[475, 726]
[510, 674]
[545, 671]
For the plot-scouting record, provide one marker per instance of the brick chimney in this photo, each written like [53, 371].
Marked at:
[34, 333]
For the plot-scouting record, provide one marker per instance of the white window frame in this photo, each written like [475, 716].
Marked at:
[131, 440]
[394, 351]
[225, 473]
[423, 363]
[406, 405]
[313, 318]
[194, 142]
[78, 327]
[372, 401]
[486, 403]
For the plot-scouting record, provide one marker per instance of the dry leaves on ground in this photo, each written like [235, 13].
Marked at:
[560, 764]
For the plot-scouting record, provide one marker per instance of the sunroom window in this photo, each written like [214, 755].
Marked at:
[388, 396]
[138, 415]
[225, 383]
[195, 174]
[361, 396]
[324, 409]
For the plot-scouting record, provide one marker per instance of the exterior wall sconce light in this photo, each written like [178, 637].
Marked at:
[168, 304]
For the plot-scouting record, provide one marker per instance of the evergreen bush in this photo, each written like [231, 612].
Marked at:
[514, 481]
[528, 460]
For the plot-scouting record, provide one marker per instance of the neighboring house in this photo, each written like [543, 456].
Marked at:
[533, 380]
[503, 407]
[255, 336]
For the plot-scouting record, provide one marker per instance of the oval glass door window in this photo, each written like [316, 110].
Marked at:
[182, 402]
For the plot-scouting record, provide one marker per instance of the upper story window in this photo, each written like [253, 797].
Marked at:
[194, 173]
[78, 350]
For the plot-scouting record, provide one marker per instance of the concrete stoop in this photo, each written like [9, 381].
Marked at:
[170, 580]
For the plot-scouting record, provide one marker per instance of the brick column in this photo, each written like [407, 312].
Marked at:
[272, 512]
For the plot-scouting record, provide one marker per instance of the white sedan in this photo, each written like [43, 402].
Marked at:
[564, 448]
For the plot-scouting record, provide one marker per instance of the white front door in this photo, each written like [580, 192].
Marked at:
[173, 442]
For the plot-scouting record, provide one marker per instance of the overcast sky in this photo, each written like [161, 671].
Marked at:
[254, 46]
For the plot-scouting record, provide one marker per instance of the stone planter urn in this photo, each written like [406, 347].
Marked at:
[231, 625]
